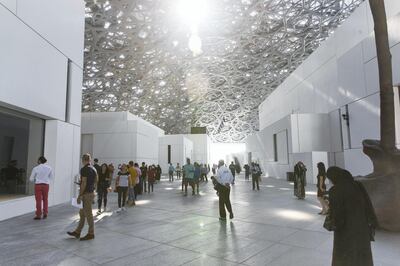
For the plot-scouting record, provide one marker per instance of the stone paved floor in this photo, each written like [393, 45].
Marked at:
[165, 228]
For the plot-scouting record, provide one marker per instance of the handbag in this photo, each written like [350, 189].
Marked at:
[328, 223]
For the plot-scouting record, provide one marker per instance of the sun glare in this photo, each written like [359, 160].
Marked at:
[192, 12]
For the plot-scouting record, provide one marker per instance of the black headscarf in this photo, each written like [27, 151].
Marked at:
[338, 175]
[321, 169]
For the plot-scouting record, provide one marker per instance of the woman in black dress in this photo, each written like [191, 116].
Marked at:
[352, 218]
[103, 183]
[322, 188]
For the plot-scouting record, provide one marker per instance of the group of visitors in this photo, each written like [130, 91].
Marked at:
[202, 172]
[130, 181]
[192, 175]
[347, 206]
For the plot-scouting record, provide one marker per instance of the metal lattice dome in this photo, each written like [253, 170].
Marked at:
[209, 63]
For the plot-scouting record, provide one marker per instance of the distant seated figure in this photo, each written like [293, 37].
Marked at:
[9, 176]
[11, 171]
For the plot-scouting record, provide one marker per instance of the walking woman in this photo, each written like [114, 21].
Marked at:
[322, 188]
[352, 218]
[103, 184]
[300, 180]
[151, 177]
[122, 183]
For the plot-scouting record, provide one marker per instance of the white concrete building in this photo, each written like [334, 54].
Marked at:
[119, 137]
[41, 65]
[201, 147]
[304, 114]
[174, 149]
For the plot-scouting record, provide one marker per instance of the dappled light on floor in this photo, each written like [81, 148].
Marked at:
[102, 216]
[142, 202]
[270, 227]
[295, 215]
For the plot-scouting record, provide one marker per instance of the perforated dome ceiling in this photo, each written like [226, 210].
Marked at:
[211, 66]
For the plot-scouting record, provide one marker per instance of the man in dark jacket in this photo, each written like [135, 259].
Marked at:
[143, 178]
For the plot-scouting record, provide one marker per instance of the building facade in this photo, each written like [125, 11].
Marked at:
[330, 103]
[41, 71]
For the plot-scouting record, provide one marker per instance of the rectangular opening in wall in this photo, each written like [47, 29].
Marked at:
[21, 143]
[169, 153]
[275, 147]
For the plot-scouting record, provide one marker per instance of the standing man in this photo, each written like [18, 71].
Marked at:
[132, 183]
[158, 172]
[223, 186]
[143, 168]
[232, 167]
[255, 175]
[188, 170]
[86, 196]
[139, 175]
[246, 171]
[171, 170]
[41, 174]
[178, 171]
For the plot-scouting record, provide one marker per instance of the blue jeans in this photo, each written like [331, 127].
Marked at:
[131, 194]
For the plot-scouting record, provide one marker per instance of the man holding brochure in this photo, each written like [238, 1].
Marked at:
[86, 196]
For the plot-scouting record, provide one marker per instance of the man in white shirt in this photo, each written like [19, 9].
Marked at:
[224, 178]
[41, 175]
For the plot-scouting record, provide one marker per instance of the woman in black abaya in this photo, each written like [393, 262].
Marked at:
[352, 218]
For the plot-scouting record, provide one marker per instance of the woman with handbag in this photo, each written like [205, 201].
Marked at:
[352, 218]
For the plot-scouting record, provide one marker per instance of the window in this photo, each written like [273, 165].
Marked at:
[169, 153]
[21, 144]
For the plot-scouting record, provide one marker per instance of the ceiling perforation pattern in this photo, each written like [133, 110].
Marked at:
[139, 57]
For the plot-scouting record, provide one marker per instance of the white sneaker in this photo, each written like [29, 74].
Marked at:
[123, 208]
[118, 210]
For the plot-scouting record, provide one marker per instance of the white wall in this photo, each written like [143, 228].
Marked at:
[62, 141]
[181, 148]
[342, 71]
[41, 55]
[299, 136]
[201, 147]
[65, 32]
[119, 137]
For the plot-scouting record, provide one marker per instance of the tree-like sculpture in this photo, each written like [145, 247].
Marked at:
[383, 184]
